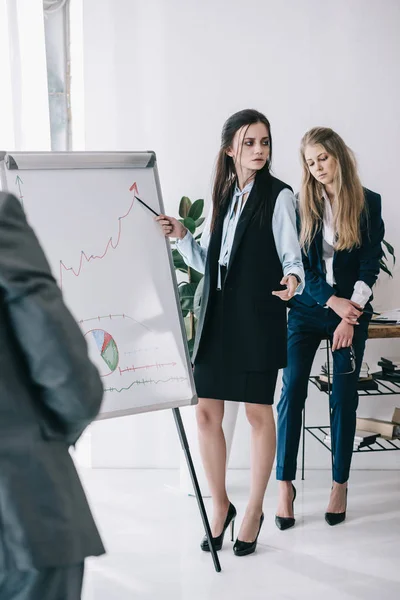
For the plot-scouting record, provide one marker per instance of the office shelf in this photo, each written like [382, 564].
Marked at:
[380, 445]
[385, 388]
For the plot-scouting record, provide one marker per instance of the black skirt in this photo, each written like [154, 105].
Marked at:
[216, 378]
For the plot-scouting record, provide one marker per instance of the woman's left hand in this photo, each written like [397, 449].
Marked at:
[343, 336]
[291, 286]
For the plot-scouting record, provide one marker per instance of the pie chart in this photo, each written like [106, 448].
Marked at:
[104, 350]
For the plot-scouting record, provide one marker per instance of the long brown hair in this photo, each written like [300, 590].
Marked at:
[225, 172]
[349, 193]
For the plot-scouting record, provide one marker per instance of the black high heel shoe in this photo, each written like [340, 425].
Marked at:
[219, 540]
[283, 523]
[336, 518]
[244, 548]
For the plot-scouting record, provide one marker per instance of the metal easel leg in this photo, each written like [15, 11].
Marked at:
[193, 476]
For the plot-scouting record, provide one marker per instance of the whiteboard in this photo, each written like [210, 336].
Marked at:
[114, 268]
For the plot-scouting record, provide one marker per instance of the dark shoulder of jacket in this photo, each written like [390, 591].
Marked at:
[372, 205]
[3, 199]
[372, 199]
[11, 203]
[278, 185]
[267, 183]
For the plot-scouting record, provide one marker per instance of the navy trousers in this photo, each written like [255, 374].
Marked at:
[306, 328]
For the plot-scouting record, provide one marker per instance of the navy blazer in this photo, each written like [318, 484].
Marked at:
[349, 266]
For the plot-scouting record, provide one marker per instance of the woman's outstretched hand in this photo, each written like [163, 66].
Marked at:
[291, 286]
[171, 227]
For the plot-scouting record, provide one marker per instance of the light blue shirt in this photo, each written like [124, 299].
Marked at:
[229, 227]
[283, 229]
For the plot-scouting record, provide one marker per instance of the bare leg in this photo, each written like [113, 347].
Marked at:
[263, 445]
[337, 501]
[285, 499]
[209, 415]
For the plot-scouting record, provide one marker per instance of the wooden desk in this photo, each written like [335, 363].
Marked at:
[383, 331]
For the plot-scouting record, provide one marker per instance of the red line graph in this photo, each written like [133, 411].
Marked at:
[110, 245]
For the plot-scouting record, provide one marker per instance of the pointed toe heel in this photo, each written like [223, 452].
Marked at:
[283, 523]
[335, 518]
[244, 548]
[219, 540]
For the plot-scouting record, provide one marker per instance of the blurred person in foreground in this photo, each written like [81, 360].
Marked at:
[49, 393]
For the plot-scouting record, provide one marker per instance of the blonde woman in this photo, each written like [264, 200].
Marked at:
[341, 230]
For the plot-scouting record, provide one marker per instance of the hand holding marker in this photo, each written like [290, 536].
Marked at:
[169, 225]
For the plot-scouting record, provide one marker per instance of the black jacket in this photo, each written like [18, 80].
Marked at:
[49, 393]
[349, 266]
[254, 321]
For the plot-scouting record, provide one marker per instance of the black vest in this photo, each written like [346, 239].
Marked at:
[254, 321]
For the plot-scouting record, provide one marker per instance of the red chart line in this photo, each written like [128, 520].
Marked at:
[110, 244]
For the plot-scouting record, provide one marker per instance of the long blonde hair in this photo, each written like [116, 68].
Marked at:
[349, 193]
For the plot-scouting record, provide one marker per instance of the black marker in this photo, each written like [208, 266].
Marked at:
[147, 206]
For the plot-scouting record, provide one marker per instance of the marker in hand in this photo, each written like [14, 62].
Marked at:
[147, 206]
[170, 226]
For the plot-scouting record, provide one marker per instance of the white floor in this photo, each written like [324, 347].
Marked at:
[152, 533]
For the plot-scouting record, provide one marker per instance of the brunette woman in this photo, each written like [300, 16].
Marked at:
[249, 251]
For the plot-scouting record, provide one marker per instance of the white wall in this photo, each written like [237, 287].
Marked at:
[164, 75]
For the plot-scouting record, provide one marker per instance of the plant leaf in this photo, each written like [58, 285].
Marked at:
[189, 224]
[384, 268]
[196, 210]
[198, 236]
[178, 261]
[184, 207]
[195, 276]
[191, 346]
[200, 221]
[388, 246]
[390, 249]
[186, 293]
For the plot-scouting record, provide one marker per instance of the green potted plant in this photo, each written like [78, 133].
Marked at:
[191, 215]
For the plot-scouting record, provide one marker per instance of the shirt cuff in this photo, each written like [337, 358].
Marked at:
[362, 293]
[300, 274]
[185, 244]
